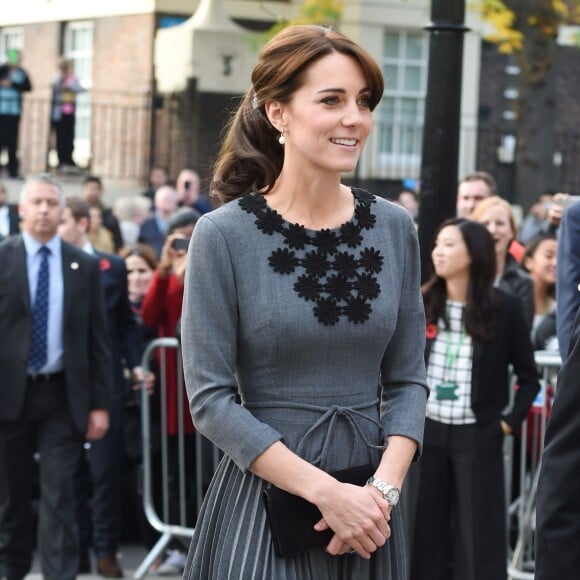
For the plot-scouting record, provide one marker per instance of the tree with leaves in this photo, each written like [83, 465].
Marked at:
[528, 29]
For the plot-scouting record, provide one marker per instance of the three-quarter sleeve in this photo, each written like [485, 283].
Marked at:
[404, 385]
[209, 342]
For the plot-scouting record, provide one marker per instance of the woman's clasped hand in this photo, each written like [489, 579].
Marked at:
[359, 517]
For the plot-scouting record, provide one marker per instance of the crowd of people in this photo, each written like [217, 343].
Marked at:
[142, 290]
[310, 348]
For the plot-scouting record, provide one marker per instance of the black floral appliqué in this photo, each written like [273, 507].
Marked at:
[253, 203]
[338, 282]
[350, 234]
[367, 286]
[308, 287]
[371, 260]
[296, 237]
[327, 241]
[269, 221]
[364, 217]
[283, 261]
[357, 309]
[315, 263]
[327, 311]
[345, 264]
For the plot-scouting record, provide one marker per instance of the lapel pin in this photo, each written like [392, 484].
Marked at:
[74, 266]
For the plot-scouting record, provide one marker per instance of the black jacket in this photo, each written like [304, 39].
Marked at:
[517, 282]
[558, 498]
[490, 376]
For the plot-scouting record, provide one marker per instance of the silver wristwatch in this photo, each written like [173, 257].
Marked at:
[390, 492]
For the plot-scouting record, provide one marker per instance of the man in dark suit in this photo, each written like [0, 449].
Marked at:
[568, 282]
[105, 466]
[9, 218]
[56, 382]
[558, 497]
[154, 229]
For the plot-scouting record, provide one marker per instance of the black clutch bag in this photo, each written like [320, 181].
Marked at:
[292, 518]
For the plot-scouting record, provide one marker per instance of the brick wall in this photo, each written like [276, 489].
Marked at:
[123, 56]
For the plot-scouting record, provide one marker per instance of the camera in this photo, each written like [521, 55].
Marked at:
[180, 243]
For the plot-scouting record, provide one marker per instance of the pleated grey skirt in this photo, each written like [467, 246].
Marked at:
[232, 541]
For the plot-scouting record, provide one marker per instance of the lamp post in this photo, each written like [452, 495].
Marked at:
[440, 155]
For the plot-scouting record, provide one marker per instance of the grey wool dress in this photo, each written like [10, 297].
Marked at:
[315, 338]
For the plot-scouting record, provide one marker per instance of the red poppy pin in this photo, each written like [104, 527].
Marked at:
[431, 331]
[105, 264]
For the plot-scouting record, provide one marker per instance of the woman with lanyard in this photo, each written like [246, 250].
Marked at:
[474, 333]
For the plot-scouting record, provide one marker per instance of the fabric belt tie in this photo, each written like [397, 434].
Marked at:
[329, 415]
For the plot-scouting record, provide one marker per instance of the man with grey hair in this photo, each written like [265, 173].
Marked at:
[56, 382]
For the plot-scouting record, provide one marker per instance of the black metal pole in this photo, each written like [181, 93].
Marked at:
[440, 155]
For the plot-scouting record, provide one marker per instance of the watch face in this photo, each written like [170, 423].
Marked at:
[392, 496]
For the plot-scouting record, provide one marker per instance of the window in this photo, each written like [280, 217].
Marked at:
[10, 38]
[402, 109]
[78, 48]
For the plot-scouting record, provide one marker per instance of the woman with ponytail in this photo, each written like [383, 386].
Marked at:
[303, 329]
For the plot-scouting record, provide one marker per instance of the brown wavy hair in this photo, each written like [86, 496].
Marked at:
[250, 158]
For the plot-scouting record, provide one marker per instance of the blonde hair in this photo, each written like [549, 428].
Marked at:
[495, 201]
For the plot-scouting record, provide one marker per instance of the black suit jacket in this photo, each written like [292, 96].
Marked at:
[558, 497]
[87, 361]
[568, 283]
[150, 234]
[490, 377]
[123, 330]
[13, 220]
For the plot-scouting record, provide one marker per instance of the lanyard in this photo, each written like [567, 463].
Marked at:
[452, 356]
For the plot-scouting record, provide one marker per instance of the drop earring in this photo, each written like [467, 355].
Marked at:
[282, 139]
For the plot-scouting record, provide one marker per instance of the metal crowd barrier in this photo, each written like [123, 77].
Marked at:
[521, 556]
[158, 516]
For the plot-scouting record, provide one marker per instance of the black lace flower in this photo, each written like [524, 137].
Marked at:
[364, 217]
[327, 311]
[364, 196]
[338, 287]
[269, 221]
[296, 237]
[327, 241]
[315, 263]
[252, 203]
[350, 234]
[308, 287]
[367, 286]
[357, 310]
[283, 261]
[371, 260]
[345, 264]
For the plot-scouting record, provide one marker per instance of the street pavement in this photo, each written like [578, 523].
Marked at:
[130, 557]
